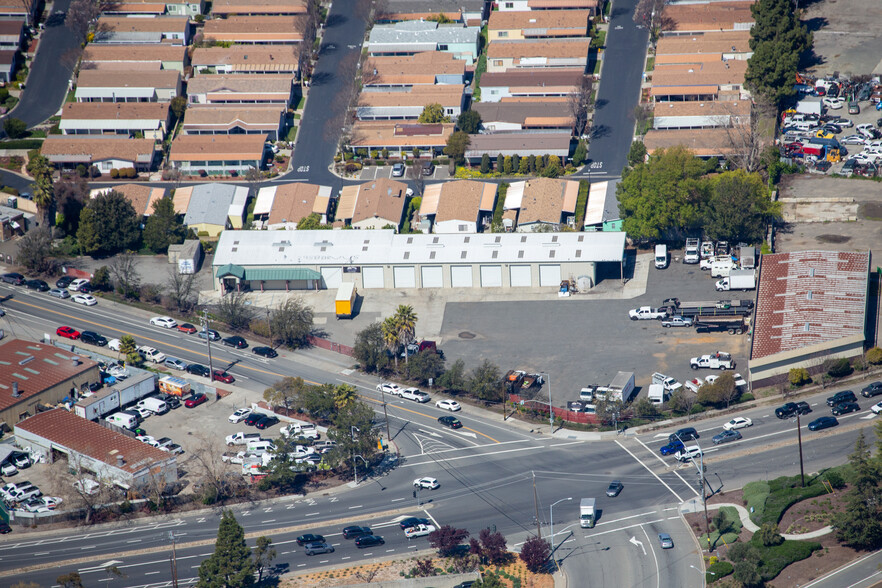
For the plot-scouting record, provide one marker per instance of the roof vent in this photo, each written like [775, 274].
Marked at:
[15, 392]
[120, 461]
[75, 362]
[26, 360]
[812, 272]
[806, 328]
[808, 296]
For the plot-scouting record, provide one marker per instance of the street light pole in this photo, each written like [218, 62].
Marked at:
[550, 405]
[700, 467]
[206, 324]
[551, 516]
[799, 437]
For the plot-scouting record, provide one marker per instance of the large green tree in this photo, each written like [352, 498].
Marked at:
[230, 566]
[778, 40]
[292, 323]
[456, 147]
[42, 189]
[739, 208]
[432, 113]
[662, 196]
[164, 227]
[469, 122]
[108, 225]
[860, 524]
[370, 348]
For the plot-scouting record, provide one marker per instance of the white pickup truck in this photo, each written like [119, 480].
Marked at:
[715, 361]
[646, 313]
[307, 430]
[241, 438]
[151, 354]
[670, 384]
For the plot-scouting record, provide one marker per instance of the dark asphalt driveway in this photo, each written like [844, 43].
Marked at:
[47, 83]
[619, 93]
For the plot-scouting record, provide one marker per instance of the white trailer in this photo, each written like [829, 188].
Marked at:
[102, 403]
[135, 388]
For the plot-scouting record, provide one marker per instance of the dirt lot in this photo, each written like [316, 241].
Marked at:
[816, 222]
[846, 38]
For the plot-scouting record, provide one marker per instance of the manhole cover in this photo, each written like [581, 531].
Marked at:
[466, 335]
[833, 238]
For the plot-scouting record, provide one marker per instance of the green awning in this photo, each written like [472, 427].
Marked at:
[231, 269]
[279, 274]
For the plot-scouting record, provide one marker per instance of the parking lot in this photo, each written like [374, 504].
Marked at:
[845, 40]
[580, 342]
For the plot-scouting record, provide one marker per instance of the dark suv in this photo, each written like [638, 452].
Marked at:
[350, 532]
[428, 168]
[872, 389]
[684, 434]
[13, 278]
[93, 338]
[840, 397]
[38, 285]
[845, 408]
[792, 409]
[368, 541]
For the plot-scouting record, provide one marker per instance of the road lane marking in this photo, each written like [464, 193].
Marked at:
[657, 570]
[446, 459]
[666, 465]
[649, 470]
[622, 528]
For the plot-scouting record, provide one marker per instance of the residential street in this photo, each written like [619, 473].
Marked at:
[619, 93]
[50, 72]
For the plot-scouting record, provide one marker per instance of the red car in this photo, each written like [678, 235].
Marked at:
[187, 328]
[223, 376]
[196, 400]
[67, 333]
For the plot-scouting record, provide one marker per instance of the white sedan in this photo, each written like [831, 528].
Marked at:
[451, 405]
[834, 103]
[389, 388]
[876, 408]
[119, 372]
[164, 321]
[418, 531]
[854, 140]
[738, 423]
[429, 483]
[86, 299]
[240, 415]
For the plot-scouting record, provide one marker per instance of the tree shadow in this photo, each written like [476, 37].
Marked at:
[815, 24]
[335, 20]
[598, 104]
[600, 131]
[319, 78]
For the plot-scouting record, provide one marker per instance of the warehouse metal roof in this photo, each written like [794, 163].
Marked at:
[375, 247]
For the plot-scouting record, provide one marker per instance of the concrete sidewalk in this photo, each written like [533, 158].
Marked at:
[694, 505]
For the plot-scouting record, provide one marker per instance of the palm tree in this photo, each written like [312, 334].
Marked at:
[344, 396]
[42, 189]
[406, 319]
[390, 337]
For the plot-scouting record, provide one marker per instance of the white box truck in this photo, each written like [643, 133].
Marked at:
[661, 256]
[621, 388]
[587, 513]
[722, 267]
[742, 279]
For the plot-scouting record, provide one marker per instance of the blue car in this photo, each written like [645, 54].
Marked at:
[672, 447]
[822, 423]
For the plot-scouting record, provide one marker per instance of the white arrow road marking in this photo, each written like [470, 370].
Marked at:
[433, 434]
[638, 543]
[467, 434]
[869, 416]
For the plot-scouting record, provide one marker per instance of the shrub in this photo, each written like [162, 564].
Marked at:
[746, 397]
[82, 170]
[718, 570]
[874, 356]
[834, 478]
[775, 558]
[768, 535]
[799, 377]
[839, 368]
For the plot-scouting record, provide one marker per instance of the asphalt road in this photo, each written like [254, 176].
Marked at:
[619, 93]
[47, 83]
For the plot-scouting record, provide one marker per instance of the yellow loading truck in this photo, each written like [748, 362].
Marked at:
[345, 301]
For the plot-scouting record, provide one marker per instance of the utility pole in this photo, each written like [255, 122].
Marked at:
[536, 503]
[799, 436]
[174, 561]
[206, 323]
[550, 407]
[385, 413]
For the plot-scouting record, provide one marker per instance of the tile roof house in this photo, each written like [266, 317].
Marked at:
[112, 457]
[594, 6]
[698, 80]
[131, 57]
[258, 7]
[9, 60]
[212, 208]
[522, 144]
[712, 16]
[428, 67]
[244, 89]
[255, 30]
[545, 53]
[540, 203]
[707, 142]
[530, 83]
[217, 154]
[518, 116]
[12, 32]
[169, 7]
[245, 59]
[151, 119]
[409, 37]
[811, 306]
[116, 30]
[104, 152]
[13, 9]
[282, 206]
[373, 205]
[400, 138]
[721, 45]
[39, 374]
[115, 86]
[240, 120]
[404, 104]
[141, 196]
[538, 24]
[462, 206]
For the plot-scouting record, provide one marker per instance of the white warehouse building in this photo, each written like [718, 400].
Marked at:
[376, 259]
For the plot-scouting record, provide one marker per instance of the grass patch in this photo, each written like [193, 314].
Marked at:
[500, 204]
[301, 104]
[22, 144]
[292, 134]
[480, 68]
[249, 215]
[599, 40]
[784, 493]
[775, 558]
[650, 64]
[582, 203]
[296, 116]
[718, 571]
[71, 96]
[755, 493]
[728, 531]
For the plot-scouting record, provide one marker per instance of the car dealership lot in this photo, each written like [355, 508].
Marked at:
[579, 341]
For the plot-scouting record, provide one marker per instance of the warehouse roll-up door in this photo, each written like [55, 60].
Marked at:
[432, 276]
[332, 277]
[404, 276]
[549, 275]
[521, 276]
[372, 277]
[491, 276]
[461, 276]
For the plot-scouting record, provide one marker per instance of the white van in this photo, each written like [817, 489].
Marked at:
[260, 446]
[805, 125]
[661, 256]
[154, 405]
[124, 420]
[721, 267]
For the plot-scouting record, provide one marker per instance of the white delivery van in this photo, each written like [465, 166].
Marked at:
[721, 267]
[154, 405]
[661, 256]
[260, 446]
[124, 420]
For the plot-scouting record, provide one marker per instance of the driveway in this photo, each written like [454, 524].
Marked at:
[316, 139]
[619, 93]
[47, 83]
